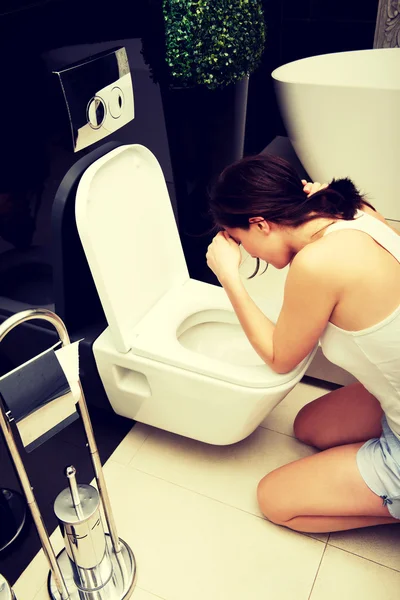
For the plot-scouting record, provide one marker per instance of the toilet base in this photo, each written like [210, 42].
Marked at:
[183, 402]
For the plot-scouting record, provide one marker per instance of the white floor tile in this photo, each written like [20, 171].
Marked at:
[348, 577]
[380, 544]
[131, 443]
[229, 474]
[43, 594]
[282, 417]
[32, 581]
[189, 546]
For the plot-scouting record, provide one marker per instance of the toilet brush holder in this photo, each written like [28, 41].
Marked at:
[94, 565]
[90, 567]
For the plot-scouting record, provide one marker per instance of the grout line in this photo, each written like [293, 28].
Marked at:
[363, 557]
[318, 570]
[149, 434]
[147, 592]
[280, 432]
[39, 591]
[292, 437]
[307, 535]
[198, 493]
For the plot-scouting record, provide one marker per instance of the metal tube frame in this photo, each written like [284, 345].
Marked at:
[5, 328]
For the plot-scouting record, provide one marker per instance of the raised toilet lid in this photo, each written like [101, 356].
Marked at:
[129, 234]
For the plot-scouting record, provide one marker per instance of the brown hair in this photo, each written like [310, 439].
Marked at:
[268, 186]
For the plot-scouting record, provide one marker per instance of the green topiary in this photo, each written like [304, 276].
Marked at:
[209, 42]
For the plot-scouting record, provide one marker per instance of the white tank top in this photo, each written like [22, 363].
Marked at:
[371, 355]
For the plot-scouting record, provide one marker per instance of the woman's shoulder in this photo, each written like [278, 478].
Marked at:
[335, 256]
[319, 258]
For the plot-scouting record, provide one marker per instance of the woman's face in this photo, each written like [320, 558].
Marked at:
[264, 240]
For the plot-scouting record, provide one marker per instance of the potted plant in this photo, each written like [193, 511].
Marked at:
[202, 54]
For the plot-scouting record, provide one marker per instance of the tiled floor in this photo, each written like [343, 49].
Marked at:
[189, 512]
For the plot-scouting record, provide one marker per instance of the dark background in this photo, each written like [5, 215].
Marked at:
[295, 29]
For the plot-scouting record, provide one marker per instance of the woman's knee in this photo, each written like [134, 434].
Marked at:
[268, 495]
[304, 429]
[344, 416]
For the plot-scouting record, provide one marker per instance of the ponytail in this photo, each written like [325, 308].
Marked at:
[340, 199]
[268, 186]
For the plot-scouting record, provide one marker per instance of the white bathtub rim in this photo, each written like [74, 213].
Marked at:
[289, 74]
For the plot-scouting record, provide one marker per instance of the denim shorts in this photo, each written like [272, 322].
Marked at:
[379, 463]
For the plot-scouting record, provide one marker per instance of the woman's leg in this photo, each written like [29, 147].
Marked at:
[322, 493]
[346, 415]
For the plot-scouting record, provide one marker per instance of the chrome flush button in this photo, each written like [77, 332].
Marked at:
[116, 102]
[96, 112]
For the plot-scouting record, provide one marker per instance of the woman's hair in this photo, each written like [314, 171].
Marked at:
[268, 186]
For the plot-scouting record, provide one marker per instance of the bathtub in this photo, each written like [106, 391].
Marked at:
[342, 115]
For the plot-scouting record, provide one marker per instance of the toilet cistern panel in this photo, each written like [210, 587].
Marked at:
[129, 234]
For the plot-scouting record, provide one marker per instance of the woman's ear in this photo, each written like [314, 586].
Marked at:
[260, 223]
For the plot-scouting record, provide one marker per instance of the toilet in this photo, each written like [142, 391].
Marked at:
[174, 355]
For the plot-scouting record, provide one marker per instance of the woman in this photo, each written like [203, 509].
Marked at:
[342, 289]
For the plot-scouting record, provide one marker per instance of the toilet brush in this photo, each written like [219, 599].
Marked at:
[90, 566]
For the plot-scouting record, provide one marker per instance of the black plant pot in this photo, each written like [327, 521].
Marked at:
[206, 130]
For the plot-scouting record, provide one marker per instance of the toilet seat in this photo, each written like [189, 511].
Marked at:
[155, 337]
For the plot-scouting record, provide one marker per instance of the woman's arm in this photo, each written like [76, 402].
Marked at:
[257, 327]
[309, 299]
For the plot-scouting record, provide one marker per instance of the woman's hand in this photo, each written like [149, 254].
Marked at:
[310, 188]
[224, 257]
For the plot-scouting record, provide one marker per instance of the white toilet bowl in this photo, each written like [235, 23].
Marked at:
[174, 355]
